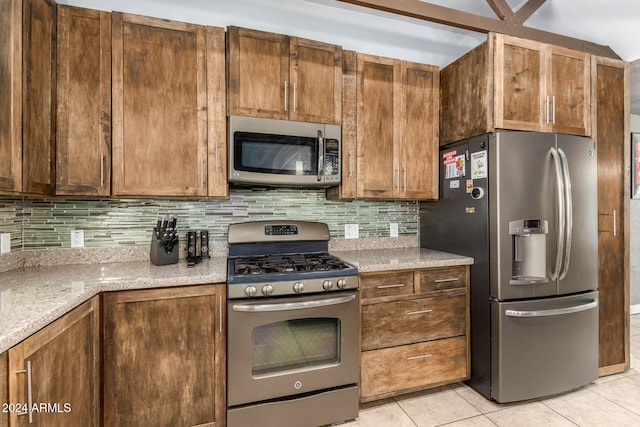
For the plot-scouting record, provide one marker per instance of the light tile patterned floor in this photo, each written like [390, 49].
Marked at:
[610, 401]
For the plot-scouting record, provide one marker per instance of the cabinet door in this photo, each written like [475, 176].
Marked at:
[519, 84]
[164, 357]
[258, 64]
[10, 96]
[378, 95]
[611, 131]
[83, 144]
[316, 76]
[62, 363]
[420, 115]
[216, 113]
[569, 77]
[4, 388]
[39, 88]
[159, 106]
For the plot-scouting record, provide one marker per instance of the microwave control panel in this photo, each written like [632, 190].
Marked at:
[332, 158]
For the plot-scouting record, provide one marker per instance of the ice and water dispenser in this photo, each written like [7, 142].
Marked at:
[529, 249]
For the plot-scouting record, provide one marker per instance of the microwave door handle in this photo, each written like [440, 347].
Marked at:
[320, 156]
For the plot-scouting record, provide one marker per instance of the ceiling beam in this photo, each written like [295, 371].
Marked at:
[528, 9]
[481, 24]
[501, 9]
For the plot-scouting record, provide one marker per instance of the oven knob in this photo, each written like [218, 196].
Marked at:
[250, 291]
[298, 287]
[327, 284]
[342, 283]
[267, 290]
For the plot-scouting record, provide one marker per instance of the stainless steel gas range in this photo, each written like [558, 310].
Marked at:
[293, 327]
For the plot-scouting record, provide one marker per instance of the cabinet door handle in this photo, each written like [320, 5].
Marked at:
[29, 391]
[397, 285]
[546, 110]
[453, 279]
[553, 110]
[220, 313]
[350, 163]
[286, 87]
[217, 158]
[404, 171]
[101, 170]
[398, 178]
[201, 172]
[295, 93]
[412, 313]
[615, 227]
[422, 356]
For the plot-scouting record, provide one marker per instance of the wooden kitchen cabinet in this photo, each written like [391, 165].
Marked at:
[516, 84]
[414, 330]
[611, 130]
[168, 107]
[281, 77]
[4, 388]
[397, 129]
[165, 357]
[39, 96]
[10, 96]
[83, 142]
[60, 364]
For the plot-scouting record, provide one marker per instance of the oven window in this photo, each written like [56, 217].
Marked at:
[294, 344]
[279, 154]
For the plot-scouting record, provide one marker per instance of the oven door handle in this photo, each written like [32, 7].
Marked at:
[252, 308]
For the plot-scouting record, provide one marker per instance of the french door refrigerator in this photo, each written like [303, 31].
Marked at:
[524, 206]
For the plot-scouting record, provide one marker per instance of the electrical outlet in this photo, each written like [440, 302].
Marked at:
[393, 229]
[5, 243]
[77, 238]
[351, 231]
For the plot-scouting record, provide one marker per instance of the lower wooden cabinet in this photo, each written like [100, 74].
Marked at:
[414, 332]
[165, 357]
[4, 389]
[55, 373]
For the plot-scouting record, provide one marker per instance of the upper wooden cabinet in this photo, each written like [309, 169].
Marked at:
[83, 143]
[168, 108]
[516, 84]
[280, 77]
[397, 131]
[39, 96]
[165, 357]
[10, 96]
[59, 365]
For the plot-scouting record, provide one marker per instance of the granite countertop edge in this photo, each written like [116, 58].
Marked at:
[32, 298]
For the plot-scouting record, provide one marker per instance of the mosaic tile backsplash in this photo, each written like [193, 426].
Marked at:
[41, 224]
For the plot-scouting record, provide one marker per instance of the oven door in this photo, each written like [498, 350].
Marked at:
[286, 346]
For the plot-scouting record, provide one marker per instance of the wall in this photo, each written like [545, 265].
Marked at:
[634, 246]
[42, 224]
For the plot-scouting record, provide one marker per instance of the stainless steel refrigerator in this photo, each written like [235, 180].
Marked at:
[524, 206]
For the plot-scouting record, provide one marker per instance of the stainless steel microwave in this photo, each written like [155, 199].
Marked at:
[283, 153]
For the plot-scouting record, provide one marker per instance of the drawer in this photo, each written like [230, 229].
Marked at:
[438, 279]
[410, 321]
[413, 366]
[386, 284]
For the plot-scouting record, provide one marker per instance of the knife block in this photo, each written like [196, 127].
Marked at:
[162, 254]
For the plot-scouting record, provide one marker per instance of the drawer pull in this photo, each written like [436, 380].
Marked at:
[410, 313]
[423, 356]
[397, 285]
[454, 279]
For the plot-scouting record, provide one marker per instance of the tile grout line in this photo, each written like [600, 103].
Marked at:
[553, 410]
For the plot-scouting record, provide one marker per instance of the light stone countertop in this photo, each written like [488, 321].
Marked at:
[372, 260]
[33, 297]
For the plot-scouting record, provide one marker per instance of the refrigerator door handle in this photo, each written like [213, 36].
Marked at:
[554, 312]
[568, 212]
[561, 214]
